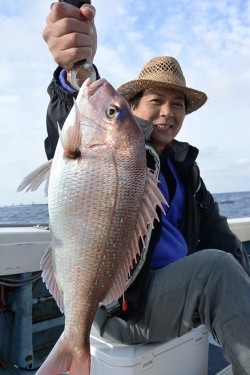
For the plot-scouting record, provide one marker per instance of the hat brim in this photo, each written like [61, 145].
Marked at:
[194, 98]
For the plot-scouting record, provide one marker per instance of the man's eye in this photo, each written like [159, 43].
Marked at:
[179, 105]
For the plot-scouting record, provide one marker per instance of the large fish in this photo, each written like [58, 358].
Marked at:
[102, 199]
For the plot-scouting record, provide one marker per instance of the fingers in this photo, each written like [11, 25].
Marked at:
[70, 34]
[65, 26]
[62, 10]
[67, 58]
[88, 12]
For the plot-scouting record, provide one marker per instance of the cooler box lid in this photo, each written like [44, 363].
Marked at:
[121, 355]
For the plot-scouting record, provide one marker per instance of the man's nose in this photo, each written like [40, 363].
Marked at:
[166, 110]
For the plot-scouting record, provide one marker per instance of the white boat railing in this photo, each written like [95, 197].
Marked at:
[241, 227]
[21, 248]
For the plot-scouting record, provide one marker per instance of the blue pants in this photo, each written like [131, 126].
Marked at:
[209, 287]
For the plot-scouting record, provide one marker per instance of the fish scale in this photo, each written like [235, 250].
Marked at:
[95, 178]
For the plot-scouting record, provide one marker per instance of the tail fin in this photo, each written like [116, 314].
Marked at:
[62, 358]
[80, 364]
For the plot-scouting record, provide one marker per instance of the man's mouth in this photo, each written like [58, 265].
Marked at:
[163, 126]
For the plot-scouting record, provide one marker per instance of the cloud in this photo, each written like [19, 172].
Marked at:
[243, 162]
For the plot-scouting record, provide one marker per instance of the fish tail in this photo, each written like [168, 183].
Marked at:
[80, 364]
[63, 358]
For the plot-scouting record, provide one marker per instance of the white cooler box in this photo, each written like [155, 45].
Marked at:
[186, 355]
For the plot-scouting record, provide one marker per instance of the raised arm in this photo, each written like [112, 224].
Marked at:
[71, 36]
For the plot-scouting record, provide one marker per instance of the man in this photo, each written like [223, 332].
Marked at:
[194, 270]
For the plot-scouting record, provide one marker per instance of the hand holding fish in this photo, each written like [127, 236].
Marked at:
[71, 34]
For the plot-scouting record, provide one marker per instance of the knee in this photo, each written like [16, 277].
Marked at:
[219, 259]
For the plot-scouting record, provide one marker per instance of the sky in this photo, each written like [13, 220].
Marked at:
[209, 38]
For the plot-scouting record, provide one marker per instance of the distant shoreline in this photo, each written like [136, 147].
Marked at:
[36, 204]
[231, 205]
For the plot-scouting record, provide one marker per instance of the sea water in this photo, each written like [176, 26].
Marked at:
[232, 205]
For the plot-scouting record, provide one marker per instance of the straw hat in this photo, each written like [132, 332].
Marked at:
[163, 71]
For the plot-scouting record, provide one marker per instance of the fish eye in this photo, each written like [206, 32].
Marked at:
[112, 111]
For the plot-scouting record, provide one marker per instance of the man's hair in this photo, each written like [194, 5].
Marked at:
[135, 100]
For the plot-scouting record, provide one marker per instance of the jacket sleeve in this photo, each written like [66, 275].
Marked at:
[214, 230]
[61, 102]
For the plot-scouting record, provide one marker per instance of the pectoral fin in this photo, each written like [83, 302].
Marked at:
[35, 178]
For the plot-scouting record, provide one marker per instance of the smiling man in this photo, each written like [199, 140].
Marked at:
[193, 269]
[165, 108]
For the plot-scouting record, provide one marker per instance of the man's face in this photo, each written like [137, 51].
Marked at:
[165, 108]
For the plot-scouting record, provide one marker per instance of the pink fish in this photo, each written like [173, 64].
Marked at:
[102, 198]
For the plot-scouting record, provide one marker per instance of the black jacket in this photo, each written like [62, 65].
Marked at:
[203, 227]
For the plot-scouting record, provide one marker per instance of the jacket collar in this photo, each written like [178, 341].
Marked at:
[182, 151]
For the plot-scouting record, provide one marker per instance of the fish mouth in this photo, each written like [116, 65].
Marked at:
[100, 93]
[92, 87]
